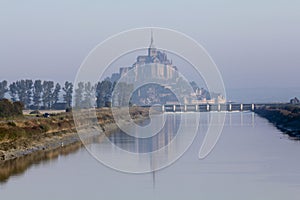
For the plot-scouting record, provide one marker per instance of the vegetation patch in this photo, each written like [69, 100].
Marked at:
[10, 109]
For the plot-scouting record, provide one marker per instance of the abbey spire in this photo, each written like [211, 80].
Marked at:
[152, 41]
[152, 50]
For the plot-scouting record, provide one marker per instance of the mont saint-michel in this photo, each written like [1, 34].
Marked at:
[164, 81]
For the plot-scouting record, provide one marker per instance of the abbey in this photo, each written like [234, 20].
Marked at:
[154, 65]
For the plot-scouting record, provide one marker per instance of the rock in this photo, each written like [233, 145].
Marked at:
[2, 156]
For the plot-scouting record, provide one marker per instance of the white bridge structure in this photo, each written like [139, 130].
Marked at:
[209, 107]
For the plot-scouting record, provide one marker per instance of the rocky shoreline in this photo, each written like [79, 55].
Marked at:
[285, 117]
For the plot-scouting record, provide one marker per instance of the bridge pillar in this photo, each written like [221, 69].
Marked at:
[241, 107]
[252, 107]
[207, 107]
[230, 107]
[174, 108]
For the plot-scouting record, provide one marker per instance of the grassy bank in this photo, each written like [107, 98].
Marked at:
[285, 117]
[23, 135]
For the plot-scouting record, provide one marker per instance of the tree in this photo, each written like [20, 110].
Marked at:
[88, 95]
[47, 93]
[10, 109]
[55, 94]
[122, 94]
[3, 88]
[37, 93]
[28, 88]
[21, 91]
[79, 95]
[103, 92]
[13, 91]
[68, 89]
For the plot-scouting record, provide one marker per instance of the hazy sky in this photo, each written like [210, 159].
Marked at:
[254, 43]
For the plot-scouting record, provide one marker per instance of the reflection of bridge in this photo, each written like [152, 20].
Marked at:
[209, 107]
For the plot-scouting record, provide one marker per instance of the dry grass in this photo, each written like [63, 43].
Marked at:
[23, 132]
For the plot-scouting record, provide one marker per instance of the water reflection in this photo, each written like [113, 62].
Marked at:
[126, 142]
[19, 165]
[150, 144]
[247, 163]
[128, 153]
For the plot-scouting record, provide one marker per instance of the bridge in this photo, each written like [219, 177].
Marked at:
[229, 107]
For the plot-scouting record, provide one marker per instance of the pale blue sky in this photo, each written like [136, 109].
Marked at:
[254, 43]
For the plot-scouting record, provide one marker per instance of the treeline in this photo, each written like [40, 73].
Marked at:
[40, 94]
[88, 95]
[37, 94]
[100, 95]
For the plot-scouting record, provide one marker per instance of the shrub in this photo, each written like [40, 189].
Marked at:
[10, 109]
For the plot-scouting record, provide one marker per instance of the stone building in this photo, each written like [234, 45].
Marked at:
[154, 65]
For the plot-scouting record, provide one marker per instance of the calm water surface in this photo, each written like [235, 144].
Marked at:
[252, 160]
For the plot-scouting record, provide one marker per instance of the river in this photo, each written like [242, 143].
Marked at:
[252, 160]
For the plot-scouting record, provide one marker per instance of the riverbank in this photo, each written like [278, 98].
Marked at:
[285, 117]
[25, 135]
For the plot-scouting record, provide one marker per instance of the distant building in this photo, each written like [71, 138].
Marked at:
[155, 65]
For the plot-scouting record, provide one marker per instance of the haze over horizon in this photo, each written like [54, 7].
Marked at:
[254, 44]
